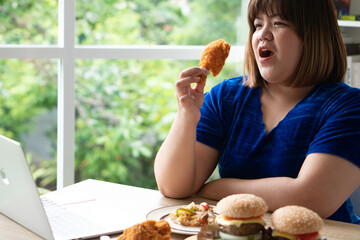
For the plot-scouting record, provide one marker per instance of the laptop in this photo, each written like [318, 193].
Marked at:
[67, 213]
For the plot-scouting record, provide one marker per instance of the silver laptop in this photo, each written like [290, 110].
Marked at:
[62, 214]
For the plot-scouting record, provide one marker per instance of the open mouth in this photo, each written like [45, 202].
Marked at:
[265, 52]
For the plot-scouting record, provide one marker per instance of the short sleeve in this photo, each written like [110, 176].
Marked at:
[339, 128]
[209, 129]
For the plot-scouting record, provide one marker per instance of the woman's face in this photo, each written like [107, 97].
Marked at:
[277, 48]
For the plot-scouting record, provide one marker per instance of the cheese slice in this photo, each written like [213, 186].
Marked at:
[284, 235]
[237, 222]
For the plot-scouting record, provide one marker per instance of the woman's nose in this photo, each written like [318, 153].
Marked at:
[265, 34]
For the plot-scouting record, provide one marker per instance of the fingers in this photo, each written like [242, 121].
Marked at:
[183, 85]
[189, 76]
[194, 71]
[201, 84]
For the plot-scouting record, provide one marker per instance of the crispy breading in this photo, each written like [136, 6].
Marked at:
[214, 56]
[148, 230]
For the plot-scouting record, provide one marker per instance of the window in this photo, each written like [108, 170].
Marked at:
[103, 75]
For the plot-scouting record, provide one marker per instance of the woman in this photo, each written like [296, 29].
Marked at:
[289, 132]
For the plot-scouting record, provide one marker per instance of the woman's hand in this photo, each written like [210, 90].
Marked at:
[190, 99]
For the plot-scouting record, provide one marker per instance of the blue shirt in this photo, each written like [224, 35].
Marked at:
[327, 120]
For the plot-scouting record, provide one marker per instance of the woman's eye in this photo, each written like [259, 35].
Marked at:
[257, 25]
[278, 23]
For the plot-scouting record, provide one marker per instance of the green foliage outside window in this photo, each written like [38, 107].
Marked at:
[124, 108]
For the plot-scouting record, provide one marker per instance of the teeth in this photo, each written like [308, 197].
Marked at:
[265, 53]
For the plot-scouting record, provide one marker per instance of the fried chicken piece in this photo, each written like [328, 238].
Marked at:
[148, 230]
[214, 56]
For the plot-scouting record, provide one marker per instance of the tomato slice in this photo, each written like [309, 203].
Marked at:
[308, 236]
[205, 205]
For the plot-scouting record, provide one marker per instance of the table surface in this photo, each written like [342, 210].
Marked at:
[152, 199]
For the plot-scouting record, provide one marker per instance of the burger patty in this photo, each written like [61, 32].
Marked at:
[244, 229]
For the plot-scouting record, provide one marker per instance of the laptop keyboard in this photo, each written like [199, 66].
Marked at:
[66, 224]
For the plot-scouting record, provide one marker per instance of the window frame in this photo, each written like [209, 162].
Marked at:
[67, 53]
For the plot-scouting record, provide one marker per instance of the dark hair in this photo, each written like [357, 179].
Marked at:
[324, 56]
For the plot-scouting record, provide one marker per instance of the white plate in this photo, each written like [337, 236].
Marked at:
[163, 213]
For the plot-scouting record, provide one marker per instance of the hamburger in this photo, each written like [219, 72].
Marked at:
[295, 222]
[240, 217]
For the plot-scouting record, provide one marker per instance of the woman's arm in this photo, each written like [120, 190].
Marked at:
[180, 167]
[323, 184]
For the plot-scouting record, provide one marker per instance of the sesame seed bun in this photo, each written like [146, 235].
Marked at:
[296, 220]
[242, 206]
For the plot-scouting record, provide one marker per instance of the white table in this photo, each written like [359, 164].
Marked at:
[148, 200]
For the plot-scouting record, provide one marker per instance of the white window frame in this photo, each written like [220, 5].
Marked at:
[67, 52]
